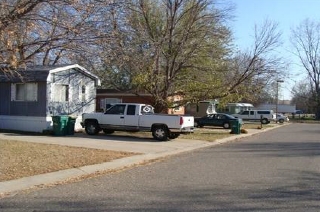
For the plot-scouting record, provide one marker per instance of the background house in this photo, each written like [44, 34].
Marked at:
[30, 97]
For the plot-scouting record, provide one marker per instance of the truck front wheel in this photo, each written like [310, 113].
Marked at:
[92, 128]
[160, 133]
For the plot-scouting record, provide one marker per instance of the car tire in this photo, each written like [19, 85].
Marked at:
[226, 125]
[160, 133]
[92, 128]
[281, 121]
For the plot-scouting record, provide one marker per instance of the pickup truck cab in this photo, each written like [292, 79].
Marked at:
[137, 117]
[264, 116]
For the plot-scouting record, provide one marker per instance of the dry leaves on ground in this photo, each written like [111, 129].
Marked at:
[21, 159]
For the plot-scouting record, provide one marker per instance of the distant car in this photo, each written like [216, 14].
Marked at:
[282, 118]
[218, 119]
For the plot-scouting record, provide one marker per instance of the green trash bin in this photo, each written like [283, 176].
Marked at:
[235, 127]
[70, 125]
[60, 125]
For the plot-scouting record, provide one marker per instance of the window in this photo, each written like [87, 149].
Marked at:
[131, 110]
[263, 112]
[25, 92]
[106, 103]
[83, 93]
[116, 109]
[147, 109]
[61, 93]
[245, 112]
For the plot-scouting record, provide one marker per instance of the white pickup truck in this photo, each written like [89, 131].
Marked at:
[137, 117]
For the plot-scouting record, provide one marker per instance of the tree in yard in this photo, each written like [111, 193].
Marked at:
[46, 32]
[20, 33]
[306, 43]
[162, 44]
[159, 47]
[303, 98]
[246, 74]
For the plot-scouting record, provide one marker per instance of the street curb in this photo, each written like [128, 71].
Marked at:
[13, 186]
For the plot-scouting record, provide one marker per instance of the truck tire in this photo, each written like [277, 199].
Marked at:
[173, 135]
[92, 128]
[160, 133]
[107, 131]
[264, 121]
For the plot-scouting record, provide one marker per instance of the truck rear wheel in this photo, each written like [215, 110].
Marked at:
[160, 133]
[107, 131]
[264, 121]
[173, 135]
[92, 128]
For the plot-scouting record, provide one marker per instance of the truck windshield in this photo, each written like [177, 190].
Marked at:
[147, 109]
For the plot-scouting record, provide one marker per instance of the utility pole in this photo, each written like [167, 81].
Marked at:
[277, 100]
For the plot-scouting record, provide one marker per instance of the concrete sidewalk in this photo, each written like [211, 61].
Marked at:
[148, 147]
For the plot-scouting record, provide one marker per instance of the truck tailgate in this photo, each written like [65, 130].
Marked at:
[187, 121]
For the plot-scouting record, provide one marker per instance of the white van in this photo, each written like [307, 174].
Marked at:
[264, 116]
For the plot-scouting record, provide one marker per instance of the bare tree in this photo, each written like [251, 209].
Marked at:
[303, 97]
[47, 32]
[306, 42]
[19, 19]
[245, 75]
[258, 67]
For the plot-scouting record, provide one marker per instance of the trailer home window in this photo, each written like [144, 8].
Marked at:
[83, 93]
[61, 93]
[25, 92]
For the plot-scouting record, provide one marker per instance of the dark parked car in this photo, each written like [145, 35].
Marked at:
[218, 119]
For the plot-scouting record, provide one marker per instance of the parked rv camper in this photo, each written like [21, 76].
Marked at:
[201, 108]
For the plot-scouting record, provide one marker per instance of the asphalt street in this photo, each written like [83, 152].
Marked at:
[278, 170]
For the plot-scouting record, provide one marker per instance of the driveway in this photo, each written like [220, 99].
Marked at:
[107, 142]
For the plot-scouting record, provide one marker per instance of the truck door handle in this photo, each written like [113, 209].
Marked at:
[121, 117]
